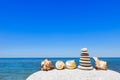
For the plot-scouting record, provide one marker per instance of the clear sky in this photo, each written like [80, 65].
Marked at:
[59, 28]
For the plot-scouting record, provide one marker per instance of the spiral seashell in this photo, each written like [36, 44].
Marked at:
[60, 65]
[46, 65]
[99, 64]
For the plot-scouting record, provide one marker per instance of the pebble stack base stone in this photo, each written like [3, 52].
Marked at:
[85, 68]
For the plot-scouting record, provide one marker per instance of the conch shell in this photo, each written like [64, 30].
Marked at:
[60, 65]
[71, 64]
[99, 64]
[46, 65]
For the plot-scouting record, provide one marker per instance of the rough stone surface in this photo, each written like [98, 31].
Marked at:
[75, 74]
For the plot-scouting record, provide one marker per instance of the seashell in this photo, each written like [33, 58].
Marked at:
[46, 65]
[60, 65]
[71, 64]
[99, 64]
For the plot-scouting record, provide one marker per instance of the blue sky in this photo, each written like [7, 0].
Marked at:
[59, 28]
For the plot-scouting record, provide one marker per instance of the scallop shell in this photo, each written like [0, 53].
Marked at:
[60, 65]
[71, 64]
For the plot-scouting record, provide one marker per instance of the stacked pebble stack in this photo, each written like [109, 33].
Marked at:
[85, 63]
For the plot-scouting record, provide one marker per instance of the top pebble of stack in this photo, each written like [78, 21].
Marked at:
[84, 49]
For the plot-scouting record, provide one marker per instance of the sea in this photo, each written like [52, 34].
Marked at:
[21, 68]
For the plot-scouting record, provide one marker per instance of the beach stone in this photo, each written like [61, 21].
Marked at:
[85, 63]
[84, 49]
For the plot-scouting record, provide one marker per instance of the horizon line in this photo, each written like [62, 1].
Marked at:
[55, 57]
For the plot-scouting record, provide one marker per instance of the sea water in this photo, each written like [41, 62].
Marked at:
[21, 68]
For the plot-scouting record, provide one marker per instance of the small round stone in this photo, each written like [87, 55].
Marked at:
[84, 49]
